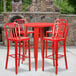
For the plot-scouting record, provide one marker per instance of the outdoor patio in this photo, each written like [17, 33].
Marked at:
[49, 70]
[37, 12]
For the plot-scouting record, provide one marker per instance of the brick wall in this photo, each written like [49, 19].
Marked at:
[49, 17]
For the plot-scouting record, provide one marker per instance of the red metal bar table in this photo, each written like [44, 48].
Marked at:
[37, 27]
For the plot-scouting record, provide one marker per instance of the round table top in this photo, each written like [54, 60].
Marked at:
[41, 24]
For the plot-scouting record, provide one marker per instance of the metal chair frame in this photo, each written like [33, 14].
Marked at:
[12, 31]
[59, 33]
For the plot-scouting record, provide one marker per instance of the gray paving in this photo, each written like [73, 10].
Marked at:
[49, 69]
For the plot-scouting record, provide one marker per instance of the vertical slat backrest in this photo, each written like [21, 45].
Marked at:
[21, 22]
[59, 29]
[11, 30]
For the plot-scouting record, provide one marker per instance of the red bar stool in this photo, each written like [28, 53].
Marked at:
[12, 31]
[50, 32]
[59, 33]
[22, 22]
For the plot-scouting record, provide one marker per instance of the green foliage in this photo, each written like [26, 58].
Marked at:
[25, 4]
[64, 7]
[1, 6]
[73, 4]
[8, 5]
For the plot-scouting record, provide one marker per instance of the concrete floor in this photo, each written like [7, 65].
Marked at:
[49, 69]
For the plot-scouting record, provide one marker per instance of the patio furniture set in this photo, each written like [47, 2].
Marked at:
[18, 33]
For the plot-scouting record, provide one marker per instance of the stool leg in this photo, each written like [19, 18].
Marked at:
[25, 43]
[7, 54]
[16, 57]
[65, 54]
[43, 56]
[46, 47]
[56, 53]
[29, 57]
[19, 53]
[23, 51]
[26, 47]
[53, 53]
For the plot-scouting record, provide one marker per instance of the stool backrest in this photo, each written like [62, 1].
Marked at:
[60, 28]
[12, 30]
[21, 22]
